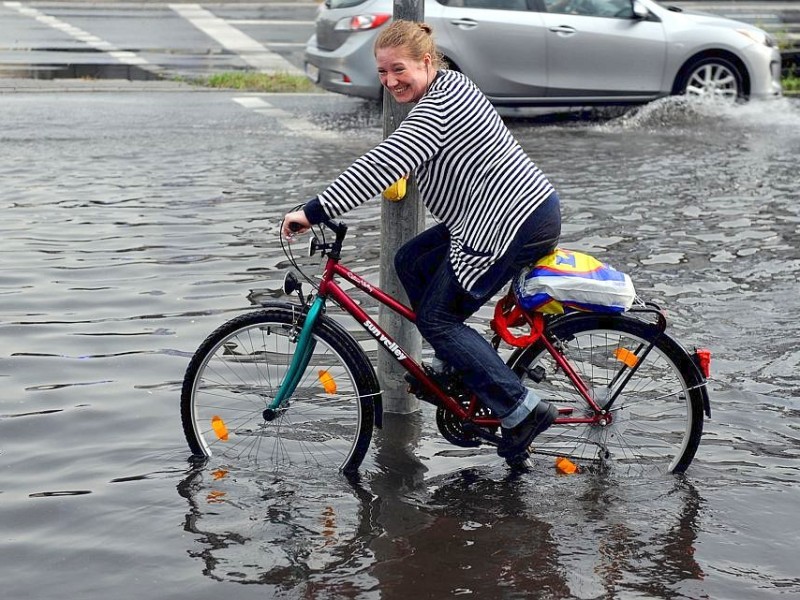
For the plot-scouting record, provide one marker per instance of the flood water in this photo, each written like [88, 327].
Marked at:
[135, 224]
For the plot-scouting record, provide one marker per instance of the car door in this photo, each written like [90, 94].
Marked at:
[598, 48]
[499, 44]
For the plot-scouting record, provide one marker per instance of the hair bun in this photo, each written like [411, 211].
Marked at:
[416, 37]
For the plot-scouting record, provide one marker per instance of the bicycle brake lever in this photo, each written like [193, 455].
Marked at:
[315, 245]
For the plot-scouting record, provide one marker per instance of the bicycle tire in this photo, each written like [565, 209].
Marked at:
[657, 419]
[237, 371]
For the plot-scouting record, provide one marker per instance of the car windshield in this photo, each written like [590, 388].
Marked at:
[343, 3]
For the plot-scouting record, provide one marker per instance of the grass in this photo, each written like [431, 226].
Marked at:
[790, 79]
[791, 84]
[252, 81]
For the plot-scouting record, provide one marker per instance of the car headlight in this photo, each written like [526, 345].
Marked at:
[759, 37]
[362, 22]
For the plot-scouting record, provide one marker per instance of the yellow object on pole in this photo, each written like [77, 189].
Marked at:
[396, 191]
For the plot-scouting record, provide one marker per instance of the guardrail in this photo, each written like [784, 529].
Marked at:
[779, 17]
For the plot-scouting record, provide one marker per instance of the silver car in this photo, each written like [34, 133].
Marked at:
[558, 52]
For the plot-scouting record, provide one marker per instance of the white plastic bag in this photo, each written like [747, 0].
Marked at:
[565, 280]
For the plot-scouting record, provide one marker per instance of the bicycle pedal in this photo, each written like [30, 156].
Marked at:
[415, 388]
[520, 463]
[414, 385]
[487, 436]
[537, 374]
[441, 379]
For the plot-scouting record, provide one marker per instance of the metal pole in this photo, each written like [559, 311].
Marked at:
[400, 221]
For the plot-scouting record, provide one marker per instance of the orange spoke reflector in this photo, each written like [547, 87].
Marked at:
[218, 425]
[328, 384]
[565, 466]
[626, 356]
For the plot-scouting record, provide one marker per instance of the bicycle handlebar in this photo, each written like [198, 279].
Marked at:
[340, 228]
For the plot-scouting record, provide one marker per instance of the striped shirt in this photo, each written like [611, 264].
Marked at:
[472, 174]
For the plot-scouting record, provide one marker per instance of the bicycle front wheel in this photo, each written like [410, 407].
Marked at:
[236, 372]
[656, 418]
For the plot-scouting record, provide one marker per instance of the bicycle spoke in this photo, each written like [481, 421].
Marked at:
[656, 418]
[324, 425]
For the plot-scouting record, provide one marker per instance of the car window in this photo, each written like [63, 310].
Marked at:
[621, 9]
[490, 4]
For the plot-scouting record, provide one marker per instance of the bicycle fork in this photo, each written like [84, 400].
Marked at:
[300, 360]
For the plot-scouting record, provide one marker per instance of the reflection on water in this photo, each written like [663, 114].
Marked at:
[132, 229]
[472, 532]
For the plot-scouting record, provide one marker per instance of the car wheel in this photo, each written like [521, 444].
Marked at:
[712, 78]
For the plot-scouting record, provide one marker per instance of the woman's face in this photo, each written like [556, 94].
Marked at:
[406, 79]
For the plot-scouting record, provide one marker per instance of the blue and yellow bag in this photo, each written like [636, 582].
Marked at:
[565, 280]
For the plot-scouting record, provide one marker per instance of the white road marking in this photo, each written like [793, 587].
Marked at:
[249, 50]
[123, 56]
[287, 44]
[300, 126]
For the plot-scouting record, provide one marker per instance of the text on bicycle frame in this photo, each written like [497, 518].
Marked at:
[383, 339]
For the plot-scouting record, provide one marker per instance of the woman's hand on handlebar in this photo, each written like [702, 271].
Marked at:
[294, 222]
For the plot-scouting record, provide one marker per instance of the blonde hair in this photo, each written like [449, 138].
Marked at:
[416, 38]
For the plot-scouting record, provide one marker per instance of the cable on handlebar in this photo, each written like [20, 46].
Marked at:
[338, 228]
[287, 249]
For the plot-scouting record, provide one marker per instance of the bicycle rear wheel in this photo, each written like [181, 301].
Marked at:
[236, 372]
[657, 417]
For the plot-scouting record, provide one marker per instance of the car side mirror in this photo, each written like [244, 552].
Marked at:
[639, 10]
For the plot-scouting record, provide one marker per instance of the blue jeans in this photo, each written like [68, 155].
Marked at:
[443, 306]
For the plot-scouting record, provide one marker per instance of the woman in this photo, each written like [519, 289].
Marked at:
[497, 212]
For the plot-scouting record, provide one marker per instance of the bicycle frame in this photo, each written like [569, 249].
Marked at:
[329, 288]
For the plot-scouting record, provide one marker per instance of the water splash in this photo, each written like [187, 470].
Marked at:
[681, 114]
[778, 114]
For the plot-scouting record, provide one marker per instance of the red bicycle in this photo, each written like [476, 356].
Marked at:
[288, 387]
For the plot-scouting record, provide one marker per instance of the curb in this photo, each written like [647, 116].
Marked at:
[13, 85]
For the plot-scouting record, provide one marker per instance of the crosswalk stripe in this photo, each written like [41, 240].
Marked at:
[123, 56]
[297, 125]
[248, 49]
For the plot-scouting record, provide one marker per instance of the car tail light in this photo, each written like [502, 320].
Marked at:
[362, 22]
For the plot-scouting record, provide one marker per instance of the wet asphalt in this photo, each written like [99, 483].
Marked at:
[134, 224]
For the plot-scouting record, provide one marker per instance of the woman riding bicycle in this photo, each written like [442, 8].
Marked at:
[497, 213]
